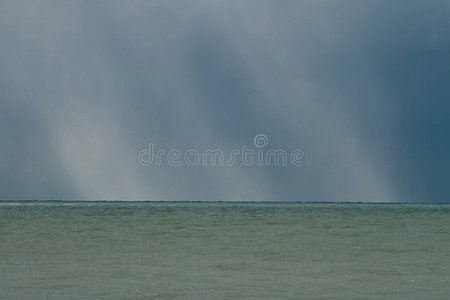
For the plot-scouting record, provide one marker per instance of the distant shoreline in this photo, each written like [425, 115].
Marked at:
[224, 202]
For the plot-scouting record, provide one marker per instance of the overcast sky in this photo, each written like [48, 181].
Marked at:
[362, 87]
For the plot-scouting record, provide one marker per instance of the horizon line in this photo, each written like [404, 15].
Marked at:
[216, 201]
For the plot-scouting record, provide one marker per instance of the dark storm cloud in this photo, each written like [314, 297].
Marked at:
[360, 86]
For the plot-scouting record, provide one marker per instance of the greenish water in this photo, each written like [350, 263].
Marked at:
[149, 250]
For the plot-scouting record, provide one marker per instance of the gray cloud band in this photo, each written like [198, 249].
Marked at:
[84, 83]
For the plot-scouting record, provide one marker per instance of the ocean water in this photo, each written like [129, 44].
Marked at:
[120, 250]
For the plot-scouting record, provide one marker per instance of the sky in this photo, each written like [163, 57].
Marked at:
[361, 87]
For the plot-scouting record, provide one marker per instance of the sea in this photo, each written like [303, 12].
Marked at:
[223, 250]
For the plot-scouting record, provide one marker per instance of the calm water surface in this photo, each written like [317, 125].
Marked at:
[119, 250]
